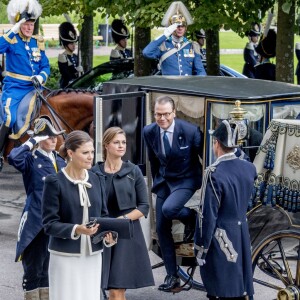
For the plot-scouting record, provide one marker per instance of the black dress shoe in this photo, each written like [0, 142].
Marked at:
[189, 228]
[171, 282]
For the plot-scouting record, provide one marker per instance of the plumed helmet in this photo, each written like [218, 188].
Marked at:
[67, 34]
[254, 31]
[267, 45]
[119, 31]
[200, 33]
[44, 126]
[227, 134]
[177, 13]
[23, 9]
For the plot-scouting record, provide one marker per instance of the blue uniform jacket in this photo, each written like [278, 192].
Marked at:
[251, 59]
[61, 210]
[186, 61]
[24, 58]
[34, 167]
[182, 169]
[224, 241]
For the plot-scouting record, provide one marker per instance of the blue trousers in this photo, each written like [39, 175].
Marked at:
[35, 263]
[170, 206]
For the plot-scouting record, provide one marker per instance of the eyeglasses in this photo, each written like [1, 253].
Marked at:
[165, 115]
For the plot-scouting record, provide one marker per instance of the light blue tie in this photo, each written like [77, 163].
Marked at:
[166, 144]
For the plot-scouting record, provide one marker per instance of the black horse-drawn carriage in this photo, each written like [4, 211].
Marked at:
[264, 109]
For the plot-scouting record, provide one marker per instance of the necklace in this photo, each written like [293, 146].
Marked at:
[112, 168]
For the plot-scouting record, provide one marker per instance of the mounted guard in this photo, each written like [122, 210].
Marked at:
[176, 54]
[26, 66]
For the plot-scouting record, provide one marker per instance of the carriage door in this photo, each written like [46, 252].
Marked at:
[128, 111]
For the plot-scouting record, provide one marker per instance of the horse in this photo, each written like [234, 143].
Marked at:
[69, 110]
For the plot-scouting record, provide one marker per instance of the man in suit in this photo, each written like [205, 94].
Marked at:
[174, 147]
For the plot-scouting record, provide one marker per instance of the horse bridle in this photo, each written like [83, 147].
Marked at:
[55, 115]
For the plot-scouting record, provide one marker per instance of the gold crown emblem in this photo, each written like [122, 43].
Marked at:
[178, 19]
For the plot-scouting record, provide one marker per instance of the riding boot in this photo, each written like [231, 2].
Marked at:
[4, 132]
[32, 295]
[44, 293]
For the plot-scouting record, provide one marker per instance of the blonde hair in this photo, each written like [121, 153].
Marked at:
[108, 136]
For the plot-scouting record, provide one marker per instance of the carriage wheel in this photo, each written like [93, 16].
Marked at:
[278, 258]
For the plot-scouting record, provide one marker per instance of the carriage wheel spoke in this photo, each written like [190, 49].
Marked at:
[297, 279]
[285, 262]
[266, 260]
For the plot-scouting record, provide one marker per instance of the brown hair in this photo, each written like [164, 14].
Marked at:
[108, 136]
[164, 100]
[73, 141]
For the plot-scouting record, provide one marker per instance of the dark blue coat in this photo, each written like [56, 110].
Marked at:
[251, 59]
[62, 210]
[34, 167]
[129, 186]
[182, 169]
[225, 241]
[185, 62]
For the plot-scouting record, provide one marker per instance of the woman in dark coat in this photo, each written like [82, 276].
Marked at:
[70, 198]
[129, 266]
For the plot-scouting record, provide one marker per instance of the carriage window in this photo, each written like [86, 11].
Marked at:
[286, 111]
[253, 126]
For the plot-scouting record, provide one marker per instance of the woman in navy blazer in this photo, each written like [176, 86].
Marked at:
[70, 197]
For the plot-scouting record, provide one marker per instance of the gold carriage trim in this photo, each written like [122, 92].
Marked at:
[18, 76]
[293, 158]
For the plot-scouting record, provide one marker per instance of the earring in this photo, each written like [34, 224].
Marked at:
[71, 159]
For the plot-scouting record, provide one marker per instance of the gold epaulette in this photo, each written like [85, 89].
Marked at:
[40, 41]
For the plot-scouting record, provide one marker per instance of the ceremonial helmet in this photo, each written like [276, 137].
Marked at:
[254, 31]
[119, 31]
[200, 34]
[23, 9]
[226, 134]
[67, 34]
[177, 13]
[44, 126]
[267, 45]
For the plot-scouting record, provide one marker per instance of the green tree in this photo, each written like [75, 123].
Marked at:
[285, 41]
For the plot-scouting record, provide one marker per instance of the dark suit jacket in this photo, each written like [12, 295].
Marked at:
[182, 169]
[61, 210]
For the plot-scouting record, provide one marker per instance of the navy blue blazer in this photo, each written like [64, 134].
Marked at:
[182, 169]
[62, 210]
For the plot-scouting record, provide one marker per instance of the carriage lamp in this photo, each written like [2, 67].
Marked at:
[238, 118]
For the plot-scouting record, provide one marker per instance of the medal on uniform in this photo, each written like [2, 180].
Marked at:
[36, 54]
[186, 52]
[27, 47]
[191, 54]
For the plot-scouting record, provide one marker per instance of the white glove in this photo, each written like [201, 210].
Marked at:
[38, 139]
[35, 140]
[39, 78]
[169, 30]
[79, 69]
[201, 262]
[16, 27]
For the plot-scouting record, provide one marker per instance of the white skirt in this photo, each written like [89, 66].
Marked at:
[75, 277]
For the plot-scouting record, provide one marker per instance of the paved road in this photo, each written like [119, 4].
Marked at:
[12, 198]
